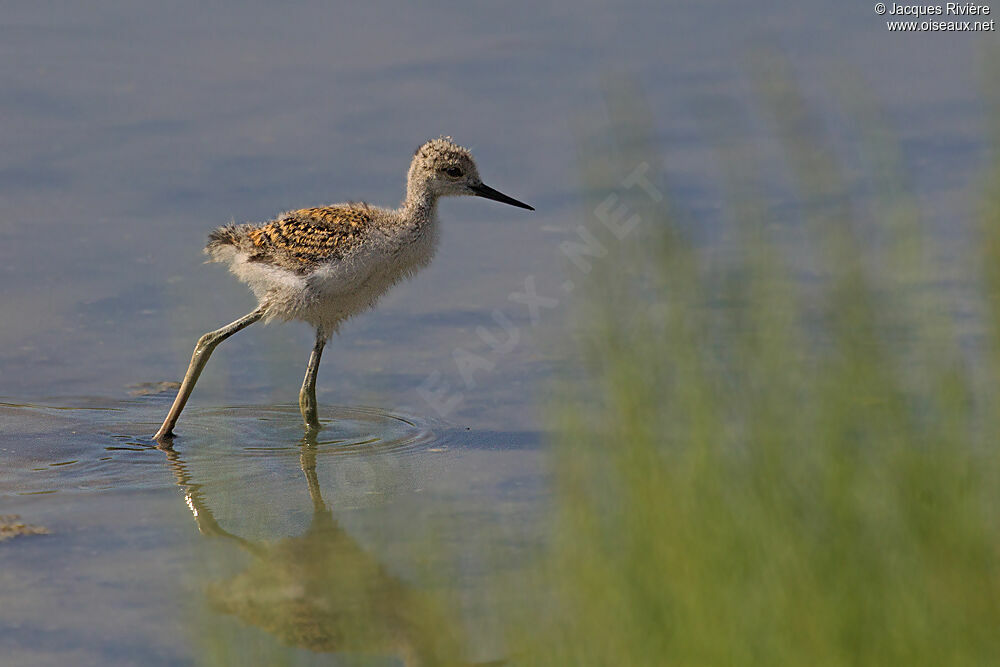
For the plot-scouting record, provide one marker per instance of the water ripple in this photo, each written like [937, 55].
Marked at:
[86, 444]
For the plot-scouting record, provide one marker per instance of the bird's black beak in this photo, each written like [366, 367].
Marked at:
[489, 193]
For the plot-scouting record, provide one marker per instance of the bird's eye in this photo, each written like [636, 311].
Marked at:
[454, 172]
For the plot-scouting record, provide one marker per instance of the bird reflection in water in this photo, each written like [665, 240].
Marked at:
[321, 590]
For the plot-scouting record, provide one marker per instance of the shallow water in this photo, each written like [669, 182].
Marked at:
[129, 132]
[249, 514]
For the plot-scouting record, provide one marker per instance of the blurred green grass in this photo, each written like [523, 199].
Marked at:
[778, 452]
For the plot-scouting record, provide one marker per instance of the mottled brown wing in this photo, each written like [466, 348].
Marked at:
[301, 240]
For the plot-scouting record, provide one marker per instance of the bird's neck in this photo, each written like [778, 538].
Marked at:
[420, 206]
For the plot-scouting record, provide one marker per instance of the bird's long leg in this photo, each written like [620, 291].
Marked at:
[202, 351]
[307, 396]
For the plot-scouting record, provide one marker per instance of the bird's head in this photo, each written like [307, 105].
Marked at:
[442, 168]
